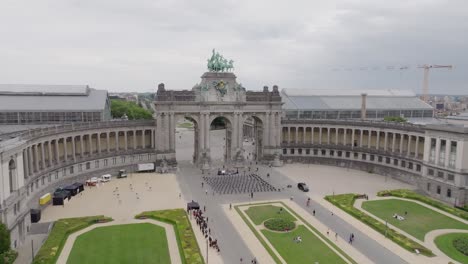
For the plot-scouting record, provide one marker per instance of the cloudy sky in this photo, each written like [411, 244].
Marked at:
[134, 45]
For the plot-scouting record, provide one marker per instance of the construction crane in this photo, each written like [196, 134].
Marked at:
[427, 67]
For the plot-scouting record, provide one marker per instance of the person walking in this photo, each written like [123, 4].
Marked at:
[313, 212]
[230, 206]
[202, 183]
[336, 236]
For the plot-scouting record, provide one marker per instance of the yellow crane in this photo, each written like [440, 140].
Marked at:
[427, 67]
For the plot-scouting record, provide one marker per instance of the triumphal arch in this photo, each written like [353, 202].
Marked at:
[220, 96]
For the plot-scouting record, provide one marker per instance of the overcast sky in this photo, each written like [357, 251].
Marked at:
[134, 45]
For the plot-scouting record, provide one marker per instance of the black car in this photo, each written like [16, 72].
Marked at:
[303, 187]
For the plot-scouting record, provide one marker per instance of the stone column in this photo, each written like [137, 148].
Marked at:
[393, 141]
[26, 162]
[57, 153]
[82, 146]
[336, 136]
[278, 128]
[385, 141]
[207, 130]
[312, 135]
[361, 137]
[125, 140]
[377, 144]
[171, 131]
[73, 148]
[201, 133]
[42, 156]
[65, 151]
[401, 143]
[289, 135]
[369, 137]
[143, 140]
[328, 136]
[267, 130]
[117, 143]
[437, 152]
[90, 144]
[447, 152]
[352, 138]
[409, 146]
[344, 136]
[49, 146]
[30, 160]
[296, 138]
[99, 143]
[273, 128]
[416, 148]
[135, 140]
[320, 135]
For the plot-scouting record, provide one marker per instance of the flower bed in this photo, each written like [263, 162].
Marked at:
[409, 194]
[279, 224]
[461, 244]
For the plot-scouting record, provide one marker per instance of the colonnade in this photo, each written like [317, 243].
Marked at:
[50, 152]
[406, 143]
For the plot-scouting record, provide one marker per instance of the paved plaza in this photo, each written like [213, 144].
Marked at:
[152, 191]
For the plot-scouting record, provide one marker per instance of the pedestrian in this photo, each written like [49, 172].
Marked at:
[230, 206]
[206, 191]
[332, 213]
[202, 184]
[328, 231]
[241, 260]
[313, 212]
[204, 208]
[352, 237]
[180, 195]
[336, 236]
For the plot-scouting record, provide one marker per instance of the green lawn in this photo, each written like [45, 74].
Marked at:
[419, 221]
[132, 243]
[258, 214]
[445, 244]
[310, 250]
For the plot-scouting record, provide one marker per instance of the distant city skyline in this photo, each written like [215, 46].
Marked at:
[132, 46]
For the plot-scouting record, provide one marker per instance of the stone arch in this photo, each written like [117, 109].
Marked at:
[12, 174]
[258, 135]
[228, 138]
[195, 119]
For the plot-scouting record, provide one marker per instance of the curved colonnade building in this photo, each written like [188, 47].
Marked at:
[35, 162]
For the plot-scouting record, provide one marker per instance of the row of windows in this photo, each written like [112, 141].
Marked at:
[333, 114]
[347, 154]
[37, 117]
[440, 174]
[448, 192]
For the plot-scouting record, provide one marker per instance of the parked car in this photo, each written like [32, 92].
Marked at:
[122, 174]
[303, 187]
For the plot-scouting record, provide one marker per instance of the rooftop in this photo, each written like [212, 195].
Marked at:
[50, 98]
[351, 100]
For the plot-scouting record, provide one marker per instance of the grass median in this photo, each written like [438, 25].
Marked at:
[188, 247]
[62, 228]
[346, 203]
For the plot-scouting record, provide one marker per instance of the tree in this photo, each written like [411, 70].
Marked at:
[4, 239]
[120, 108]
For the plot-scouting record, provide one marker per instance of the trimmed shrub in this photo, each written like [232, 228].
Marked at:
[8, 257]
[52, 247]
[279, 224]
[409, 194]
[4, 238]
[346, 203]
[461, 244]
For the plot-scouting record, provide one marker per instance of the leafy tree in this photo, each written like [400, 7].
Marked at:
[4, 238]
[134, 112]
[397, 119]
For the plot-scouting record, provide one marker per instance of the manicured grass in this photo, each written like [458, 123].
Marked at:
[271, 212]
[346, 203]
[409, 194]
[132, 243]
[445, 244]
[310, 250]
[188, 246]
[258, 214]
[419, 221]
[52, 247]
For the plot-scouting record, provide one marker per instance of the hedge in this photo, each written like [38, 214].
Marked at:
[346, 203]
[8, 257]
[409, 194]
[188, 247]
[62, 228]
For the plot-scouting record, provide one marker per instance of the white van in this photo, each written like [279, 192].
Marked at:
[106, 177]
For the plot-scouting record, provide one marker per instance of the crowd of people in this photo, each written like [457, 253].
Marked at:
[202, 222]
